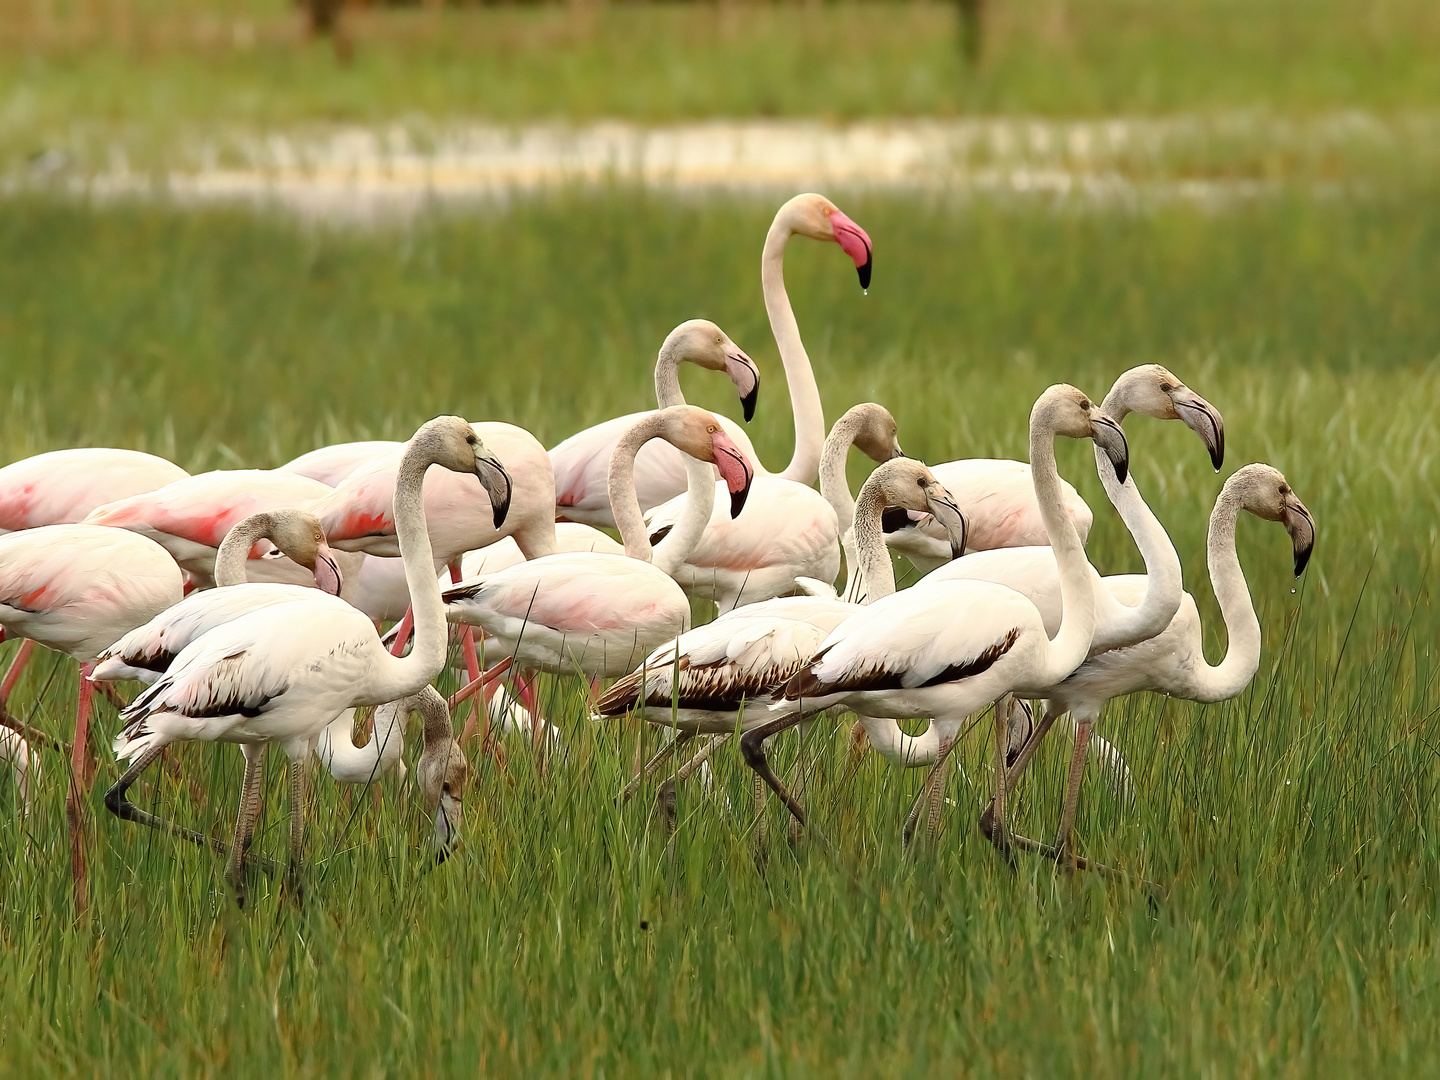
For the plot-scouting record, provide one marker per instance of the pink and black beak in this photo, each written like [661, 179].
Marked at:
[327, 571]
[1202, 418]
[496, 482]
[1110, 438]
[746, 377]
[1301, 527]
[734, 469]
[854, 241]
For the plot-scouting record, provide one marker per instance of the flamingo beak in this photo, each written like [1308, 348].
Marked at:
[944, 510]
[496, 482]
[746, 377]
[327, 571]
[1111, 439]
[734, 469]
[855, 243]
[1202, 418]
[448, 818]
[1301, 527]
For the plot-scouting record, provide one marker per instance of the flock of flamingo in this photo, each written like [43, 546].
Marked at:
[251, 603]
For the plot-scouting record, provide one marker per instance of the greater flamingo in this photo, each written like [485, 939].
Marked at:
[809, 215]
[945, 651]
[790, 531]
[582, 462]
[1172, 662]
[282, 674]
[596, 614]
[332, 464]
[76, 589]
[63, 486]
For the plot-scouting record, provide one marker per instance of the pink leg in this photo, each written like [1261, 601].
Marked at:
[472, 666]
[402, 636]
[81, 773]
[17, 665]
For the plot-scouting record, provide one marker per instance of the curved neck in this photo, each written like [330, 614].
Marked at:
[799, 377]
[667, 377]
[235, 549]
[874, 572]
[834, 485]
[1242, 628]
[399, 677]
[342, 758]
[625, 503]
[901, 750]
[1071, 644]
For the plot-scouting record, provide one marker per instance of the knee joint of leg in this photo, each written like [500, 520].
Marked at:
[753, 749]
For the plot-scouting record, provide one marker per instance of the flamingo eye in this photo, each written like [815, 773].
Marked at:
[711, 429]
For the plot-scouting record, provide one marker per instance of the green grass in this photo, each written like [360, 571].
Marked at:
[151, 78]
[1294, 827]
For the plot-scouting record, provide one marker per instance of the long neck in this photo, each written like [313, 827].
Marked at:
[667, 377]
[625, 503]
[344, 759]
[1242, 628]
[1068, 649]
[400, 677]
[799, 377]
[834, 485]
[874, 572]
[235, 549]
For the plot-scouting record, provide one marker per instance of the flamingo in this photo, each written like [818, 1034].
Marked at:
[191, 517]
[726, 675]
[596, 614]
[578, 469]
[76, 589]
[1034, 573]
[1173, 661]
[332, 464]
[282, 674]
[24, 764]
[582, 462]
[945, 651]
[791, 531]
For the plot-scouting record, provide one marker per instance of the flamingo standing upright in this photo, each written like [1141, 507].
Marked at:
[790, 531]
[580, 461]
[597, 614]
[1172, 662]
[946, 651]
[76, 589]
[282, 674]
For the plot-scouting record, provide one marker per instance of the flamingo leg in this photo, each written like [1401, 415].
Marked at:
[654, 765]
[1083, 726]
[17, 666]
[752, 746]
[81, 771]
[937, 791]
[934, 779]
[402, 633]
[293, 884]
[1014, 772]
[472, 660]
[250, 792]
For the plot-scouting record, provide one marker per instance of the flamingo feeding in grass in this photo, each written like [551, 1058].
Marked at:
[76, 589]
[581, 461]
[282, 674]
[596, 614]
[789, 531]
[1173, 661]
[946, 651]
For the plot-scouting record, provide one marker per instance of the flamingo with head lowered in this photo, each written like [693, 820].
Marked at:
[282, 674]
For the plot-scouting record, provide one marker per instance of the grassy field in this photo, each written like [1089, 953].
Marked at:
[142, 80]
[1294, 827]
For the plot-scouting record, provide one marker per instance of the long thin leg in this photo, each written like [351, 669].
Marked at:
[250, 792]
[1083, 726]
[17, 665]
[922, 800]
[80, 776]
[752, 746]
[402, 633]
[654, 765]
[1016, 769]
[937, 791]
[297, 829]
[467, 649]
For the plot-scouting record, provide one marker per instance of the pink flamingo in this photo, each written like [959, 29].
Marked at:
[76, 589]
[332, 464]
[581, 460]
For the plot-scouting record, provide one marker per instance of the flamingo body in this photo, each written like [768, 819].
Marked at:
[332, 464]
[64, 486]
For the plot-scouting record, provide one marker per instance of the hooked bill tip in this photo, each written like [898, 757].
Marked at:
[864, 271]
[747, 403]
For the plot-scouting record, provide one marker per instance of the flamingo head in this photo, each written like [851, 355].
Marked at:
[1153, 391]
[1070, 412]
[1264, 492]
[877, 436]
[442, 772]
[820, 219]
[697, 433]
[451, 442]
[701, 342]
[297, 534]
[908, 485]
